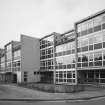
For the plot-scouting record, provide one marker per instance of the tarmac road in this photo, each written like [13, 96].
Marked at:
[100, 101]
[33, 97]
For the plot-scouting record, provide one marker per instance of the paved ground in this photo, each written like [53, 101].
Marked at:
[9, 91]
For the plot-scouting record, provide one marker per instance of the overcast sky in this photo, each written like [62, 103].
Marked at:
[38, 18]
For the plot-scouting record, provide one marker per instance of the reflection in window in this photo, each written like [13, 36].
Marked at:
[91, 57]
[98, 56]
[98, 38]
[90, 26]
[85, 58]
[91, 40]
[97, 21]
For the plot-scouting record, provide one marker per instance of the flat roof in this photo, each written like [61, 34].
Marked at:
[90, 17]
[70, 31]
[53, 33]
[11, 43]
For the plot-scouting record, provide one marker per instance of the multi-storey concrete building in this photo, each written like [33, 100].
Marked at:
[2, 64]
[47, 66]
[90, 43]
[65, 59]
[20, 60]
[77, 56]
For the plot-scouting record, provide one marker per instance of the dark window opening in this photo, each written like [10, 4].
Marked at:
[103, 26]
[98, 46]
[97, 28]
[90, 47]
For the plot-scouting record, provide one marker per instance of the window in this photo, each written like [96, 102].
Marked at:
[103, 26]
[98, 38]
[90, 47]
[17, 53]
[97, 20]
[103, 36]
[91, 57]
[97, 23]
[65, 77]
[98, 46]
[103, 18]
[90, 26]
[25, 76]
[85, 48]
[85, 58]
[84, 42]
[84, 28]
[103, 55]
[91, 40]
[79, 58]
[79, 29]
[98, 56]
[25, 79]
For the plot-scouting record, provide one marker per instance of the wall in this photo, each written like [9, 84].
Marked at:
[30, 57]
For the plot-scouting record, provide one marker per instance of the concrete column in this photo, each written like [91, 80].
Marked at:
[76, 56]
[87, 76]
[99, 76]
[54, 70]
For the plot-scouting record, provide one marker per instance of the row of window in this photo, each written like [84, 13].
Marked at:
[46, 51]
[64, 60]
[91, 64]
[46, 42]
[91, 25]
[65, 77]
[65, 53]
[65, 47]
[93, 56]
[9, 55]
[46, 63]
[68, 66]
[91, 39]
[91, 30]
[16, 69]
[95, 76]
[16, 64]
[46, 56]
[47, 68]
[91, 47]
[46, 45]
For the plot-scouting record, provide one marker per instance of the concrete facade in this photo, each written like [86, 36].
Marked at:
[76, 56]
[30, 55]
[20, 62]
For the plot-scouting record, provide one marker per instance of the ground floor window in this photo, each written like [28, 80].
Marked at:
[65, 76]
[91, 76]
[25, 76]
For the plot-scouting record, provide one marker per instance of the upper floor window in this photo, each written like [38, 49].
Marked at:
[9, 47]
[90, 24]
[98, 38]
[84, 26]
[103, 18]
[3, 59]
[17, 53]
[97, 20]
